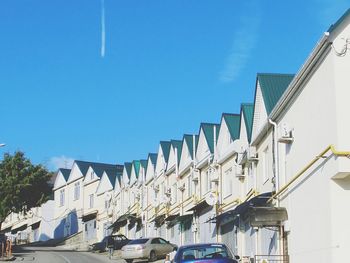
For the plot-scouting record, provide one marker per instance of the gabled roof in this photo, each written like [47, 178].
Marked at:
[144, 164]
[208, 129]
[127, 167]
[136, 166]
[115, 173]
[272, 86]
[178, 145]
[247, 110]
[232, 122]
[166, 149]
[65, 173]
[98, 168]
[189, 141]
[153, 157]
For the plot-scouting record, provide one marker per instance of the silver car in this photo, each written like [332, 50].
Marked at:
[147, 248]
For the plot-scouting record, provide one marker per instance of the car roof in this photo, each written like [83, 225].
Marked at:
[202, 245]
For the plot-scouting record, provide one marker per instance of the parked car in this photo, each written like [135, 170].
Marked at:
[118, 241]
[213, 253]
[147, 248]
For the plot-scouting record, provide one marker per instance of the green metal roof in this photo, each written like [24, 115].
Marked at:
[339, 21]
[272, 87]
[127, 167]
[233, 123]
[178, 145]
[189, 141]
[166, 149]
[136, 165]
[208, 129]
[153, 157]
[65, 173]
[144, 164]
[247, 111]
[98, 168]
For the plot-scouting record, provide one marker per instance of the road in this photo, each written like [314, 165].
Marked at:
[55, 255]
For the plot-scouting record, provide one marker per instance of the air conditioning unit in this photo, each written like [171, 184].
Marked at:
[156, 188]
[167, 191]
[286, 134]
[239, 171]
[182, 187]
[252, 155]
[195, 174]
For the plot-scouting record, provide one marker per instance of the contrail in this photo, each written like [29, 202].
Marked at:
[103, 30]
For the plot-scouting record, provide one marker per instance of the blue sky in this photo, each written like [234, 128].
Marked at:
[168, 65]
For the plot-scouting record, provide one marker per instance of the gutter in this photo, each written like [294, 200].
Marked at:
[302, 74]
[295, 85]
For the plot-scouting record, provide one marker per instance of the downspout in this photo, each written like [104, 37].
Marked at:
[275, 153]
[276, 167]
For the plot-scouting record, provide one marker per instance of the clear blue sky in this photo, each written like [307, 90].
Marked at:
[168, 65]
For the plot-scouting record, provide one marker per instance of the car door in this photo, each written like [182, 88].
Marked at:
[165, 247]
[155, 246]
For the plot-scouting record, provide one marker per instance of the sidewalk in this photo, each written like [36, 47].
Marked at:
[117, 257]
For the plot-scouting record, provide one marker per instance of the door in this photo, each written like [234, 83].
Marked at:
[90, 229]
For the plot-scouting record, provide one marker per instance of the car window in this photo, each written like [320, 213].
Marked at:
[138, 241]
[155, 241]
[205, 252]
[162, 241]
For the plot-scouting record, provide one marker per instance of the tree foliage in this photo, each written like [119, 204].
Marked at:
[22, 184]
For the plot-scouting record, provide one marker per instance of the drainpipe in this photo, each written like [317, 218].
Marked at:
[275, 153]
[277, 181]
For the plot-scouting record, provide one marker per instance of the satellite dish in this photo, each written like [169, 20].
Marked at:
[211, 199]
[108, 196]
[30, 213]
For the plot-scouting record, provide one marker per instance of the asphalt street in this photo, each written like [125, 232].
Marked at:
[56, 255]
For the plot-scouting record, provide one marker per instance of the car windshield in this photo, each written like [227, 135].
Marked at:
[205, 252]
[138, 241]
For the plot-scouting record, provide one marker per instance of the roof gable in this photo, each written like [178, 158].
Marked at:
[208, 130]
[272, 87]
[166, 149]
[151, 163]
[75, 173]
[61, 178]
[175, 148]
[105, 184]
[232, 123]
[126, 172]
[247, 112]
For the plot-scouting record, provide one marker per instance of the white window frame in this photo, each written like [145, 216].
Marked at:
[76, 190]
[62, 197]
[91, 200]
[265, 165]
[228, 182]
[174, 193]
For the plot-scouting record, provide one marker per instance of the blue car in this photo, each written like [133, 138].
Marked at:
[205, 253]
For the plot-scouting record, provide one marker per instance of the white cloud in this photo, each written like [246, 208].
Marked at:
[61, 162]
[244, 41]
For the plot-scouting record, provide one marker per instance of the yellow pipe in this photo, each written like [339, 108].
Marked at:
[236, 201]
[330, 147]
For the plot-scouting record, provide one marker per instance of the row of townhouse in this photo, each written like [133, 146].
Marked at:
[270, 181]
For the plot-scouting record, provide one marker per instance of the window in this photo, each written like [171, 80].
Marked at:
[91, 204]
[206, 181]
[174, 193]
[62, 193]
[228, 178]
[107, 203]
[189, 185]
[265, 164]
[76, 190]
[92, 175]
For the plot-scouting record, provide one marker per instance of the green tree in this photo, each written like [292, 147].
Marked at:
[22, 184]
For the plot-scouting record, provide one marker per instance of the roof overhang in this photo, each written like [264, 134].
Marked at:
[199, 206]
[89, 216]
